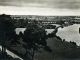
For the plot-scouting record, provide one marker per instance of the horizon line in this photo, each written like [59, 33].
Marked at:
[39, 15]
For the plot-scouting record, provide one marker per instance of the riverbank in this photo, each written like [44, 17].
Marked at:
[61, 50]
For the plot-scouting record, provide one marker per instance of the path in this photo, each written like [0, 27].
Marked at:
[11, 54]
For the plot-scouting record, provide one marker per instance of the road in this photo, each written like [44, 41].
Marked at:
[11, 54]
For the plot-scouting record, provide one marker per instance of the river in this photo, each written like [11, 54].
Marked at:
[70, 33]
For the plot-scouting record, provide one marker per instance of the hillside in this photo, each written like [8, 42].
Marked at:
[61, 50]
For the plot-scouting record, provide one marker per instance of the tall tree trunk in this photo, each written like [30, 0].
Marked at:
[26, 53]
[4, 41]
[3, 45]
[2, 51]
[33, 54]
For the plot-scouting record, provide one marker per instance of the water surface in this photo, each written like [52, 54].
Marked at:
[70, 33]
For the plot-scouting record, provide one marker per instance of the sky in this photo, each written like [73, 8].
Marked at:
[40, 7]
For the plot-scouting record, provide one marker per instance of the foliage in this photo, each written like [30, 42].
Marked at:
[74, 43]
[34, 37]
[6, 31]
[21, 23]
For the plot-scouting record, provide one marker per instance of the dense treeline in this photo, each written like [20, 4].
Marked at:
[7, 32]
[34, 36]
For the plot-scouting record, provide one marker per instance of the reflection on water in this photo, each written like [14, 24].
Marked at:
[70, 33]
[49, 31]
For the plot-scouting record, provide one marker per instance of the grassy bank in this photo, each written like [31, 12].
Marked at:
[61, 50]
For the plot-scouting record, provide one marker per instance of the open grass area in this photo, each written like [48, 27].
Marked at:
[60, 50]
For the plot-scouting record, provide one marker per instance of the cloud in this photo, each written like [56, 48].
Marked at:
[12, 10]
[21, 3]
[67, 4]
[55, 4]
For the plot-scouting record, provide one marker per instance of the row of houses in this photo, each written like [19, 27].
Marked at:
[46, 19]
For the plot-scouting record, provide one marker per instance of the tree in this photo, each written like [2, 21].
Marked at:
[74, 43]
[22, 23]
[35, 21]
[34, 37]
[61, 22]
[6, 28]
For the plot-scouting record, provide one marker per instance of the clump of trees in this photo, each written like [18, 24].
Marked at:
[6, 32]
[74, 43]
[34, 36]
[49, 26]
[21, 23]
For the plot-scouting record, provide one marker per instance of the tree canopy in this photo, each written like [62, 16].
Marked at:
[34, 36]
